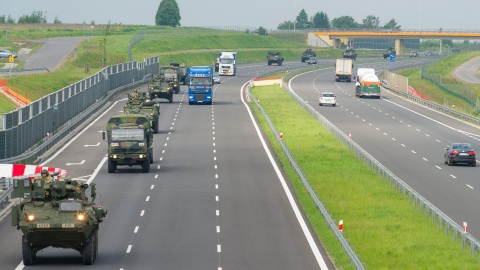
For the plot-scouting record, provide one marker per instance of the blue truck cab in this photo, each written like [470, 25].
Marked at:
[200, 84]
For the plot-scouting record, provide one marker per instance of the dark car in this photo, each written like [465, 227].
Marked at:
[312, 60]
[414, 54]
[460, 153]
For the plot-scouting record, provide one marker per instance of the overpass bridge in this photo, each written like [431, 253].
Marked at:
[334, 37]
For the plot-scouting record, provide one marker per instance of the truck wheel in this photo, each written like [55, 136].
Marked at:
[269, 63]
[146, 166]
[170, 98]
[112, 166]
[280, 63]
[151, 158]
[95, 246]
[27, 252]
[88, 250]
[155, 128]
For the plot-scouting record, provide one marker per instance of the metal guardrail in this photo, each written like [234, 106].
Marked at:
[5, 189]
[432, 105]
[430, 211]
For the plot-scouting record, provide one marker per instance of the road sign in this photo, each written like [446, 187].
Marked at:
[11, 59]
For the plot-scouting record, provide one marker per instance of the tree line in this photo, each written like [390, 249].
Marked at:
[321, 20]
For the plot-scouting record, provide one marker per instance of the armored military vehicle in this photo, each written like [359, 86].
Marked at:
[388, 52]
[350, 53]
[130, 141]
[56, 214]
[159, 89]
[170, 75]
[275, 57]
[307, 54]
[182, 72]
[138, 103]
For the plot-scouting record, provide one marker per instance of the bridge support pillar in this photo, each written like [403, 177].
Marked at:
[337, 43]
[400, 46]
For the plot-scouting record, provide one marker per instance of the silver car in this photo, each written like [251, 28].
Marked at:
[216, 78]
[7, 53]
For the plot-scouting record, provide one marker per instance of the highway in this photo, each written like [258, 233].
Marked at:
[408, 139]
[214, 198]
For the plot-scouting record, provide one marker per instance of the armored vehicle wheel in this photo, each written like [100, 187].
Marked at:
[27, 252]
[88, 251]
[146, 166]
[151, 158]
[170, 98]
[155, 127]
[112, 166]
[95, 255]
[269, 63]
[280, 63]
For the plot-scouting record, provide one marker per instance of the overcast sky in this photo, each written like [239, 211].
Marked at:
[409, 14]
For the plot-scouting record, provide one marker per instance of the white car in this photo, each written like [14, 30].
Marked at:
[7, 53]
[327, 98]
[216, 79]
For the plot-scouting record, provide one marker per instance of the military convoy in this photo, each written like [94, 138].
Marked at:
[307, 54]
[58, 214]
[130, 141]
[157, 88]
[275, 57]
[388, 52]
[350, 53]
[138, 103]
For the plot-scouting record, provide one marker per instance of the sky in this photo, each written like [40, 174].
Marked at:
[409, 14]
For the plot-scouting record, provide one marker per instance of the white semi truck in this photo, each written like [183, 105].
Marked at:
[343, 69]
[227, 63]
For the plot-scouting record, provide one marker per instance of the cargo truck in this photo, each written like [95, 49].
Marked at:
[367, 83]
[227, 63]
[200, 85]
[343, 69]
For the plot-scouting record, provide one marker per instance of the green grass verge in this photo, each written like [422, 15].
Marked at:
[444, 69]
[382, 226]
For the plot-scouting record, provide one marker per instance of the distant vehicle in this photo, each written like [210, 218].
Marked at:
[460, 153]
[307, 54]
[389, 52]
[7, 53]
[312, 61]
[200, 85]
[226, 63]
[350, 53]
[427, 53]
[343, 69]
[367, 83]
[216, 79]
[275, 57]
[327, 98]
[414, 54]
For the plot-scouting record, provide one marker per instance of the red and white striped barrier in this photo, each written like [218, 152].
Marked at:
[12, 170]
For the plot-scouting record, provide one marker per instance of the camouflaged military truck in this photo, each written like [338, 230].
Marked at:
[138, 103]
[159, 89]
[56, 214]
[275, 57]
[130, 142]
[307, 54]
[388, 52]
[350, 53]
[170, 75]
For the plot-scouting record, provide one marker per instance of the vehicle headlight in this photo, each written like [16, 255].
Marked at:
[80, 217]
[30, 217]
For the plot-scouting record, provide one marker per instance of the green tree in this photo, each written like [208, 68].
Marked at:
[302, 20]
[371, 22]
[168, 13]
[262, 31]
[10, 19]
[57, 20]
[3, 19]
[35, 17]
[320, 20]
[344, 22]
[286, 25]
[392, 24]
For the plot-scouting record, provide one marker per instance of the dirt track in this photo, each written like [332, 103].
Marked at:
[468, 71]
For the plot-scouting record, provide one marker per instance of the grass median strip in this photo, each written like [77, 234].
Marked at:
[382, 226]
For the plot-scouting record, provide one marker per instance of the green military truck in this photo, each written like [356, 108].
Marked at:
[350, 53]
[170, 75]
[307, 54]
[182, 72]
[275, 57]
[56, 214]
[130, 141]
[159, 89]
[138, 103]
